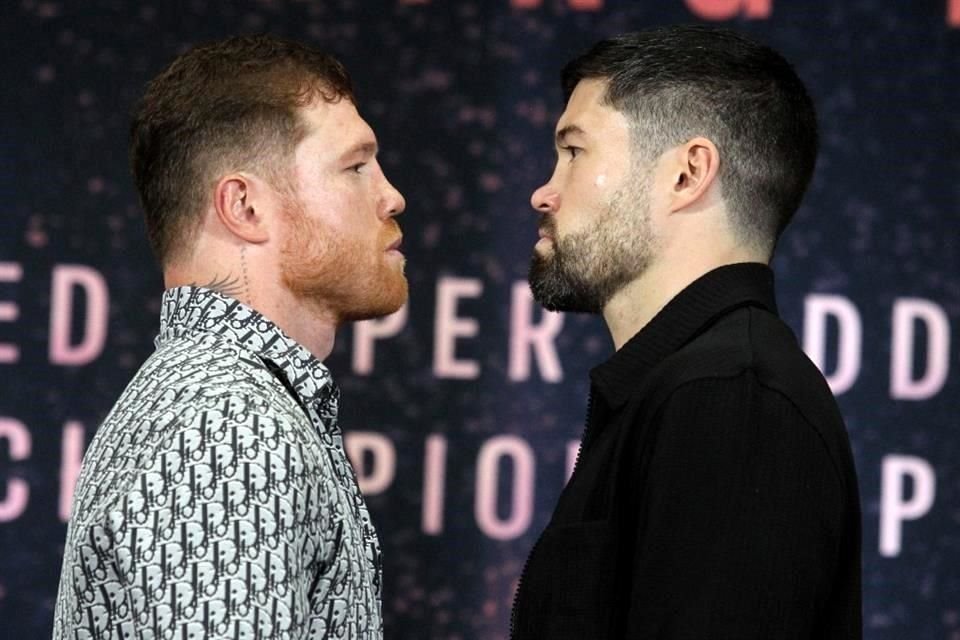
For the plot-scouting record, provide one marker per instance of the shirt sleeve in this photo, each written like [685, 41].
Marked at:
[740, 518]
[218, 536]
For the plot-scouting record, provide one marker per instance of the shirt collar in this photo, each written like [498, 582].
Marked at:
[683, 318]
[186, 311]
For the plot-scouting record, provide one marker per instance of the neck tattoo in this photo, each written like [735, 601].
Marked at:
[246, 280]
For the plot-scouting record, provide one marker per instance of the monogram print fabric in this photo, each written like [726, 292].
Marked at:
[216, 499]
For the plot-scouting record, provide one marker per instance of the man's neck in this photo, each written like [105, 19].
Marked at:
[634, 306]
[312, 327]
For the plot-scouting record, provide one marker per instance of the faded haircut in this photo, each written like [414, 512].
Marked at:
[225, 106]
[676, 83]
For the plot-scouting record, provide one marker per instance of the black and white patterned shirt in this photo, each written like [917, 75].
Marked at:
[216, 500]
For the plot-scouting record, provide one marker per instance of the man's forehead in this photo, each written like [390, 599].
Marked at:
[584, 108]
[338, 124]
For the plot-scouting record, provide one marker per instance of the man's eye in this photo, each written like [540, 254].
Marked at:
[356, 168]
[573, 151]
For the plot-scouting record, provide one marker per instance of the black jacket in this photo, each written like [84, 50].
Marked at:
[715, 494]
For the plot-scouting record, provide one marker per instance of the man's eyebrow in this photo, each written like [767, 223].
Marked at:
[570, 129]
[367, 148]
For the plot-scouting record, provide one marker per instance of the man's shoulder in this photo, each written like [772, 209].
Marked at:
[189, 397]
[205, 381]
[201, 371]
[752, 357]
[748, 338]
[749, 342]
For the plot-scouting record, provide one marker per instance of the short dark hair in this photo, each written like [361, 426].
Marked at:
[675, 83]
[223, 106]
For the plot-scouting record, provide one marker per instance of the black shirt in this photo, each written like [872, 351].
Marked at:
[715, 494]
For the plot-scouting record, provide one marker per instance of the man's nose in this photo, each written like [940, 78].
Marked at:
[394, 202]
[546, 199]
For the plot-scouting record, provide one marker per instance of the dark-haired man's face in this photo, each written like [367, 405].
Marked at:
[595, 230]
[341, 247]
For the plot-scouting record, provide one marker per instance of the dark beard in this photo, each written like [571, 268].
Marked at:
[559, 285]
[587, 269]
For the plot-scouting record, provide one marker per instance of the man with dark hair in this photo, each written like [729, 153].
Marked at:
[715, 494]
[216, 499]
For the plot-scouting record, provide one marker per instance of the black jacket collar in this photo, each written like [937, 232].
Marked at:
[683, 318]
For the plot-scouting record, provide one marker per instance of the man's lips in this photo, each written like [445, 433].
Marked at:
[395, 245]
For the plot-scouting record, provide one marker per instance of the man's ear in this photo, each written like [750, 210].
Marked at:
[240, 202]
[694, 170]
